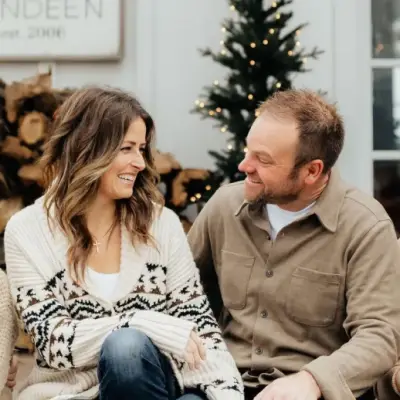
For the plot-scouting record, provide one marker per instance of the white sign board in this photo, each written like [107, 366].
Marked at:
[51, 30]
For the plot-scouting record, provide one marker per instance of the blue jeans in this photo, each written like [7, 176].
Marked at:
[132, 368]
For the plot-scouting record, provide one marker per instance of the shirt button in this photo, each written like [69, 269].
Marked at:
[264, 314]
[269, 273]
[258, 351]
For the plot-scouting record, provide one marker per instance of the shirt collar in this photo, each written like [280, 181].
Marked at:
[326, 208]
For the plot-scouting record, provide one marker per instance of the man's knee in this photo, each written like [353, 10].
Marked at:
[123, 350]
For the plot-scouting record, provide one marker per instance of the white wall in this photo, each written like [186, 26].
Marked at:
[162, 65]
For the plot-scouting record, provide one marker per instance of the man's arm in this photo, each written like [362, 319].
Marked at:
[373, 318]
[200, 244]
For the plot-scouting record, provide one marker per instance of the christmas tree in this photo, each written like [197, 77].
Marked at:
[262, 53]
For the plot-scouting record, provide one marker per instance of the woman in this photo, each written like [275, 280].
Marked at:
[8, 336]
[102, 274]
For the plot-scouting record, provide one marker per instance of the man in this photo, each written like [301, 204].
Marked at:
[302, 270]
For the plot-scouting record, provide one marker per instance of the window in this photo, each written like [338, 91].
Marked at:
[385, 73]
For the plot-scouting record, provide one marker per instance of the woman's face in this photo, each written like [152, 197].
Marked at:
[118, 181]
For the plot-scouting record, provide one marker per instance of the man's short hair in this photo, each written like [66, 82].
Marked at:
[321, 130]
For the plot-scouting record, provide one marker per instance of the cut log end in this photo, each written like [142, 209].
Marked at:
[165, 162]
[32, 127]
[179, 194]
[26, 88]
[31, 173]
[12, 147]
[8, 207]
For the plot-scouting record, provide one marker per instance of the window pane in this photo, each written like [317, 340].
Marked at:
[387, 188]
[385, 28]
[386, 108]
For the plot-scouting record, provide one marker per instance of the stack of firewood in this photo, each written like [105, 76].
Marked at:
[26, 107]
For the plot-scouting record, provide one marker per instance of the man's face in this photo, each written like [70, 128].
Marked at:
[269, 162]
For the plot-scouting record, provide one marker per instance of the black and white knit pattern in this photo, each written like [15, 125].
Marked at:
[158, 289]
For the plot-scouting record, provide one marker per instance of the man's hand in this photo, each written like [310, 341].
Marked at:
[300, 386]
[12, 373]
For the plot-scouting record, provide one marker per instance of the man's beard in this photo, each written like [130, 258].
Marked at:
[277, 198]
[287, 195]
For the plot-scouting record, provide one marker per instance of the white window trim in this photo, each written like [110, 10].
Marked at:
[384, 62]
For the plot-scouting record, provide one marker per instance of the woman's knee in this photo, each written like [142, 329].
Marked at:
[130, 363]
[124, 346]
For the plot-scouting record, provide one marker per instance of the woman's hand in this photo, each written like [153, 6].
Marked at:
[12, 373]
[195, 352]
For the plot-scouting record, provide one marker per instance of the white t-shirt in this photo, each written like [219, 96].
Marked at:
[105, 283]
[280, 218]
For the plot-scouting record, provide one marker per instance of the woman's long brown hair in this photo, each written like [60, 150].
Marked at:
[87, 134]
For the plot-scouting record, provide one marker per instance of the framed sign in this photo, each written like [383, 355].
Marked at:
[52, 30]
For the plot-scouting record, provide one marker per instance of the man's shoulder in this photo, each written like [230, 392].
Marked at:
[229, 197]
[361, 205]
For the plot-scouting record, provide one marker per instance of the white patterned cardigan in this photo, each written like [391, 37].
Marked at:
[158, 292]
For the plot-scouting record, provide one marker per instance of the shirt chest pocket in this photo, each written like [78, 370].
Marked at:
[313, 297]
[235, 273]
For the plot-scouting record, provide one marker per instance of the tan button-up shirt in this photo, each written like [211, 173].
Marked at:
[324, 296]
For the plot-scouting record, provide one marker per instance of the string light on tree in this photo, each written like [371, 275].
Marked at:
[230, 147]
[201, 105]
[290, 52]
[274, 4]
[278, 16]
[250, 97]
[233, 8]
[252, 62]
[265, 42]
[278, 84]
[218, 109]
[245, 150]
[216, 83]
[271, 31]
[223, 52]
[224, 129]
[252, 45]
[208, 187]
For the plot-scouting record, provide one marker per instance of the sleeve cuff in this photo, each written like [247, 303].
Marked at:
[168, 333]
[215, 394]
[396, 380]
[329, 379]
[388, 386]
